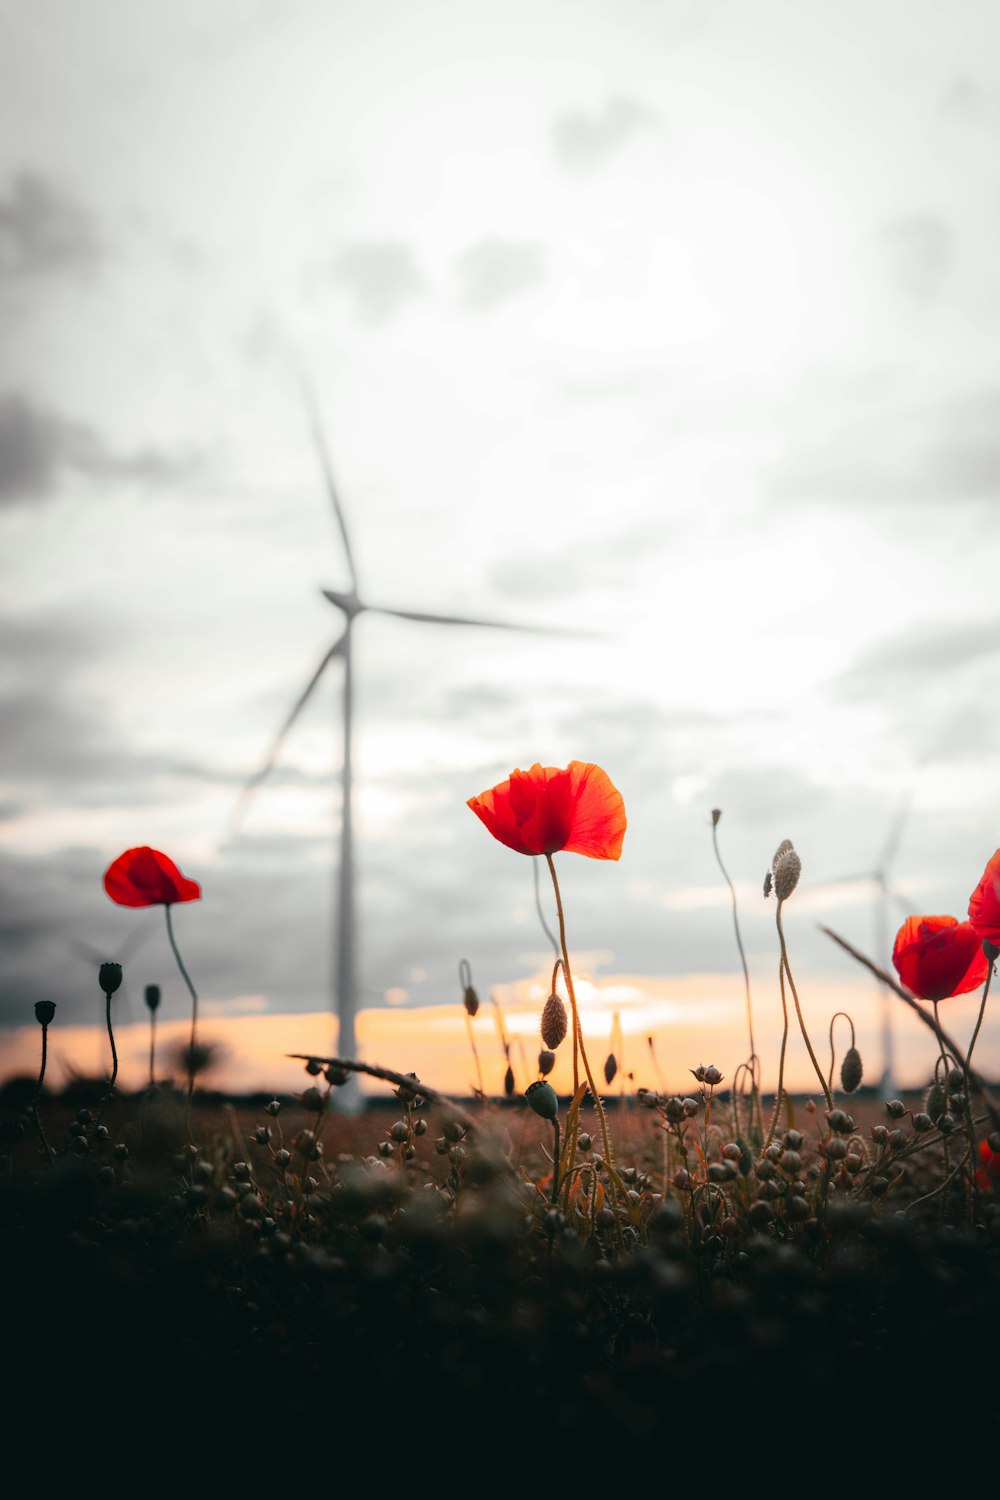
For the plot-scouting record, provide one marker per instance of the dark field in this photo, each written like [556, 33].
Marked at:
[406, 1272]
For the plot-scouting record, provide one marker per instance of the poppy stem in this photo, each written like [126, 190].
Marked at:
[194, 1001]
[754, 1095]
[798, 1011]
[38, 1095]
[114, 1064]
[152, 1048]
[979, 1022]
[781, 1059]
[577, 1028]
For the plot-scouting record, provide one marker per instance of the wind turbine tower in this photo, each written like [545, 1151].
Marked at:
[351, 606]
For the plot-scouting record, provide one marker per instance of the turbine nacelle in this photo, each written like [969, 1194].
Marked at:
[349, 603]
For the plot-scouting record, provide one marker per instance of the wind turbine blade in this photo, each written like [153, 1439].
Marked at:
[275, 750]
[319, 439]
[428, 619]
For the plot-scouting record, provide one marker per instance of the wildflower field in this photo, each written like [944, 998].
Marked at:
[572, 1284]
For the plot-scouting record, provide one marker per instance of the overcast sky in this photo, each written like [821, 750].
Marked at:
[676, 322]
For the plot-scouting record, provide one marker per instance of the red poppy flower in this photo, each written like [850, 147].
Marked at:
[984, 903]
[937, 957]
[145, 877]
[988, 1175]
[545, 809]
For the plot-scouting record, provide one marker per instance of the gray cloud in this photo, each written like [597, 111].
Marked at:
[947, 454]
[576, 569]
[37, 446]
[584, 141]
[920, 251]
[921, 653]
[381, 275]
[495, 269]
[44, 232]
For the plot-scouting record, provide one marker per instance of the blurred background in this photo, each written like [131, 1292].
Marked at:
[678, 323]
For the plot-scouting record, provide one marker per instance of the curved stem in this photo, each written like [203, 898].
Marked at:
[194, 1000]
[577, 1028]
[475, 1053]
[739, 940]
[798, 1011]
[114, 1064]
[538, 907]
[979, 1022]
[781, 1060]
[555, 1164]
[38, 1092]
[836, 1016]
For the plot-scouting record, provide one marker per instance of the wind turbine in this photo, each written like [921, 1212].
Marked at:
[351, 606]
[884, 891]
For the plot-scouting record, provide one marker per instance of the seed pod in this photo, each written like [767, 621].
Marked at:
[44, 1012]
[470, 1000]
[935, 1103]
[610, 1068]
[787, 868]
[109, 977]
[553, 1021]
[851, 1070]
[508, 1081]
[546, 1062]
[543, 1099]
[151, 995]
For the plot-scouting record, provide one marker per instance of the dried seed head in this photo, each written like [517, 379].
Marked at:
[546, 1062]
[44, 1012]
[610, 1068]
[787, 868]
[716, 815]
[851, 1070]
[151, 995]
[935, 1103]
[553, 1021]
[895, 1109]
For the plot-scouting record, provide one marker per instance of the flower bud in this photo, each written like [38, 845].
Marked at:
[712, 1076]
[273, 1108]
[312, 1100]
[110, 977]
[935, 1103]
[584, 1143]
[44, 1012]
[508, 1082]
[553, 1021]
[546, 1062]
[151, 995]
[851, 1070]
[335, 1076]
[895, 1109]
[610, 1068]
[470, 1000]
[543, 1099]
[787, 868]
[314, 1067]
[716, 815]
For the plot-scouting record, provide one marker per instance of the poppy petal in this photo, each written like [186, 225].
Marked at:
[146, 877]
[938, 957]
[547, 809]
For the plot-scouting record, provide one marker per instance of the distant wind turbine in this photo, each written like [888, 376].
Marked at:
[884, 891]
[351, 605]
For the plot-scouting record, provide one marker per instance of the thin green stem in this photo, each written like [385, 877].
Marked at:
[555, 1163]
[781, 1059]
[194, 1000]
[114, 1064]
[979, 1022]
[475, 1053]
[538, 907]
[38, 1093]
[577, 1028]
[736, 929]
[798, 1011]
[973, 1187]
